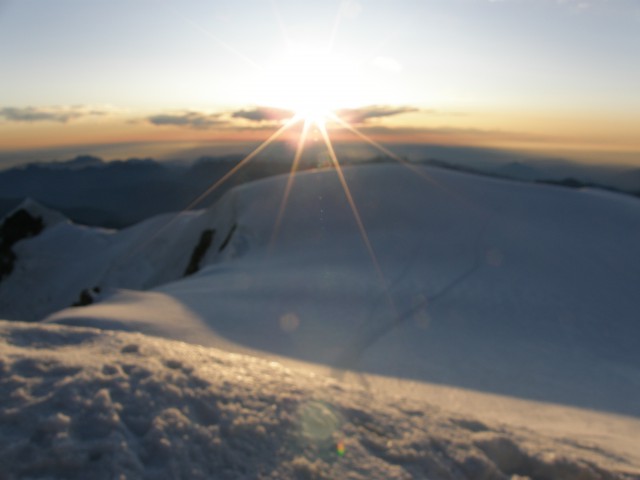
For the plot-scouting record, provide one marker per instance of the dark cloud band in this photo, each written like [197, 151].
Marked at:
[47, 114]
[262, 114]
[187, 119]
[362, 115]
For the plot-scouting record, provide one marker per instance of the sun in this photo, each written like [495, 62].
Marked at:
[311, 82]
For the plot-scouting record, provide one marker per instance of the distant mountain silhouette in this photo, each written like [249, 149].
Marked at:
[520, 171]
[629, 180]
[120, 193]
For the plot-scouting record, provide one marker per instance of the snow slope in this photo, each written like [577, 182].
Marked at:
[484, 285]
[523, 290]
[84, 403]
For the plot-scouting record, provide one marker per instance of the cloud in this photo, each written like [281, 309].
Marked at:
[245, 119]
[263, 117]
[419, 133]
[48, 114]
[364, 114]
[262, 114]
[188, 119]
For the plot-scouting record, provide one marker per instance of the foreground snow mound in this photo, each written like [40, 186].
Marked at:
[81, 403]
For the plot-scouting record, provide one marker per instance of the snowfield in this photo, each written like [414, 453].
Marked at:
[84, 403]
[488, 329]
[509, 288]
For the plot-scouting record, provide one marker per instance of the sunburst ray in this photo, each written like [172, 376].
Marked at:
[355, 211]
[381, 148]
[243, 162]
[215, 185]
[336, 25]
[289, 186]
[284, 31]
[405, 163]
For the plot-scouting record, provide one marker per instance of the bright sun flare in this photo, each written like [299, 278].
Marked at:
[310, 82]
[314, 84]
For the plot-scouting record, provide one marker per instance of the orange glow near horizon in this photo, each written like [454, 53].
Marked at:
[560, 135]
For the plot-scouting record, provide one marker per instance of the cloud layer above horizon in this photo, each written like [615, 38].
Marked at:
[60, 114]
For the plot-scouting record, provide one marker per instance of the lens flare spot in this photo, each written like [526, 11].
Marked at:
[494, 257]
[289, 322]
[318, 422]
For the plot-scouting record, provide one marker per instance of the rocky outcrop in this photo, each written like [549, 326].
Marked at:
[199, 252]
[19, 225]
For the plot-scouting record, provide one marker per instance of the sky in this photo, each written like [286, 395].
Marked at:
[134, 77]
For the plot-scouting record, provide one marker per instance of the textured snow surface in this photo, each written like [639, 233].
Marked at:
[84, 403]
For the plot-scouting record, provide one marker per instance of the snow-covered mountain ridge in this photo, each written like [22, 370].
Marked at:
[65, 259]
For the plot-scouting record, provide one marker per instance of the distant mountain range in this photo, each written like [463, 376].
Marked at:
[116, 194]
